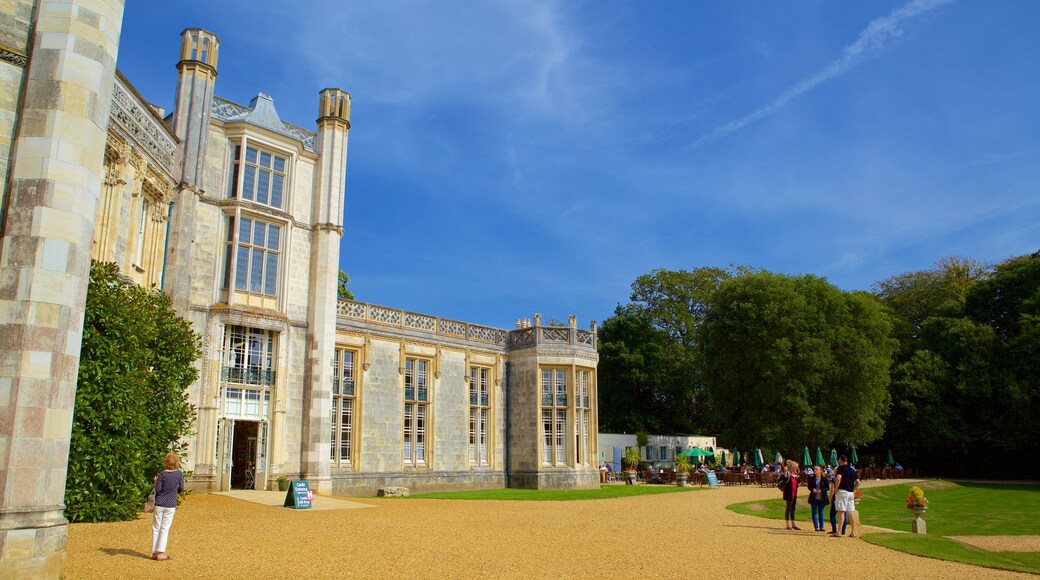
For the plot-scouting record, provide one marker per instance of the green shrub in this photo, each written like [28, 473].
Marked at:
[132, 407]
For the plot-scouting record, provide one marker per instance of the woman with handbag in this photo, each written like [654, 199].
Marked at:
[789, 484]
[168, 483]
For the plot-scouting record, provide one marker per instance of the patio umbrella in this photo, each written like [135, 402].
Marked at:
[777, 458]
[758, 457]
[806, 462]
[819, 458]
[697, 452]
[834, 457]
[891, 460]
[854, 458]
[724, 458]
[736, 457]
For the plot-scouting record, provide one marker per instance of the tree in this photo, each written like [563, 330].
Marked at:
[794, 360]
[642, 384]
[131, 406]
[342, 292]
[966, 382]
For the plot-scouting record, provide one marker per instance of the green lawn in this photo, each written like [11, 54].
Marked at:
[604, 492]
[954, 509]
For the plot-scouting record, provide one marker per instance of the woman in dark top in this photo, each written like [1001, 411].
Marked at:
[818, 492]
[168, 484]
[789, 478]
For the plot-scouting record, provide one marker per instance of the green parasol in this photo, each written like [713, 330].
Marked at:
[819, 458]
[736, 457]
[806, 462]
[853, 458]
[723, 458]
[697, 452]
[758, 457]
[891, 460]
[834, 457]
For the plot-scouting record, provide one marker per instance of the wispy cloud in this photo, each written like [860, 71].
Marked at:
[871, 43]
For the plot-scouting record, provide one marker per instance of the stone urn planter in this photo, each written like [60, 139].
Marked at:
[630, 477]
[681, 478]
[918, 526]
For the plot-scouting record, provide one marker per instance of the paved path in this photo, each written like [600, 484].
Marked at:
[277, 499]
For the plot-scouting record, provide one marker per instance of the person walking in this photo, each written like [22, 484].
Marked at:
[168, 483]
[819, 489]
[845, 483]
[789, 484]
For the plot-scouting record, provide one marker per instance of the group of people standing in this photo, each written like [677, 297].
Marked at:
[837, 488]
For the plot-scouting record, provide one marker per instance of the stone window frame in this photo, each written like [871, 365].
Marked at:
[337, 458]
[233, 243]
[415, 407]
[555, 408]
[238, 149]
[583, 395]
[480, 377]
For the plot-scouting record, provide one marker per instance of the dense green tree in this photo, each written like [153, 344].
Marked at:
[642, 383]
[136, 363]
[790, 361]
[341, 286]
[966, 384]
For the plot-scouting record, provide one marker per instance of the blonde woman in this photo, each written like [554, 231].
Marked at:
[168, 484]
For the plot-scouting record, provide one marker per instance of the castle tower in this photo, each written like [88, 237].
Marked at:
[553, 402]
[58, 87]
[331, 146]
[197, 74]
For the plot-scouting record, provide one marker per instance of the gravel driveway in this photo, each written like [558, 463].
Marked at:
[682, 535]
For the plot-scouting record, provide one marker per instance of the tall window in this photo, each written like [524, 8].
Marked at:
[479, 412]
[247, 372]
[262, 176]
[258, 251]
[139, 238]
[583, 380]
[342, 406]
[416, 410]
[554, 416]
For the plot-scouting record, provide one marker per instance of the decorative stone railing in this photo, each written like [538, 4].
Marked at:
[143, 127]
[521, 337]
[411, 321]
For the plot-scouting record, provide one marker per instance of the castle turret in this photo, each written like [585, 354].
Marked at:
[197, 74]
[331, 145]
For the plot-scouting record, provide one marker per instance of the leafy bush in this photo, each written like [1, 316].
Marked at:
[132, 408]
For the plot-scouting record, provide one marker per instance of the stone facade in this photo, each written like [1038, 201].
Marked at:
[237, 215]
[57, 67]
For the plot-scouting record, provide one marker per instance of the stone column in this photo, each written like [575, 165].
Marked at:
[49, 214]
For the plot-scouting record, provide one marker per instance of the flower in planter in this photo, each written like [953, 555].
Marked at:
[916, 498]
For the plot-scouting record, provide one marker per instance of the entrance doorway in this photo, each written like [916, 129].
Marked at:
[243, 454]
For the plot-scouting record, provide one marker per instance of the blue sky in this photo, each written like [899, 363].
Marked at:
[508, 158]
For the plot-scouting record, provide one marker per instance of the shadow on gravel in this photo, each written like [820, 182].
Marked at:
[125, 552]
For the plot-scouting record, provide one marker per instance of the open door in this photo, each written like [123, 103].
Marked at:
[225, 451]
[261, 456]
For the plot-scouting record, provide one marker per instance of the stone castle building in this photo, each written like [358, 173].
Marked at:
[237, 215]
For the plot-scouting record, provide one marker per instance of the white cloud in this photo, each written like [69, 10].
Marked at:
[871, 43]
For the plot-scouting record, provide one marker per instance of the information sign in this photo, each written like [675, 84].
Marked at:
[299, 495]
[713, 480]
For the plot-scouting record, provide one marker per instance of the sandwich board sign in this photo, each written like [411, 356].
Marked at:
[299, 495]
[713, 480]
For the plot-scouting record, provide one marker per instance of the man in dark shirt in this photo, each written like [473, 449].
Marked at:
[845, 484]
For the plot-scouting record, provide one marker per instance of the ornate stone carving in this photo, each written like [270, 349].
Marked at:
[136, 120]
[16, 58]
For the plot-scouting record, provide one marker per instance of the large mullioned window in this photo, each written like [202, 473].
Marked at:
[248, 371]
[258, 176]
[343, 404]
[479, 414]
[582, 404]
[257, 248]
[554, 417]
[416, 410]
